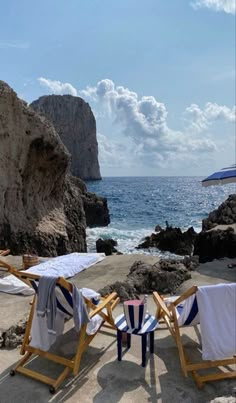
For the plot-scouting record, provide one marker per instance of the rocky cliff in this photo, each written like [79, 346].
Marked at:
[75, 123]
[41, 206]
[218, 236]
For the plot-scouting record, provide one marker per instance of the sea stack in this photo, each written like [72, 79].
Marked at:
[74, 121]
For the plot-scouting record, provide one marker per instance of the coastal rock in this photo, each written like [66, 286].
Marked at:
[106, 246]
[13, 337]
[218, 236]
[124, 290]
[215, 244]
[172, 240]
[191, 262]
[74, 121]
[164, 276]
[96, 210]
[41, 209]
[95, 207]
[225, 214]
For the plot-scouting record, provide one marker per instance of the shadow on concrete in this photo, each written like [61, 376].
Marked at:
[118, 378]
[218, 269]
[174, 386]
[24, 389]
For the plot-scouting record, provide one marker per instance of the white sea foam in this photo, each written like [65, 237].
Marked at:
[127, 240]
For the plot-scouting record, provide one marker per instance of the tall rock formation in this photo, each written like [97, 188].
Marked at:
[75, 123]
[41, 206]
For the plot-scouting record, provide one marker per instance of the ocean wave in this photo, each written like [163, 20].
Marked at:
[127, 240]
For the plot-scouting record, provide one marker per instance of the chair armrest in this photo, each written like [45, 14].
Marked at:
[103, 304]
[185, 295]
[161, 305]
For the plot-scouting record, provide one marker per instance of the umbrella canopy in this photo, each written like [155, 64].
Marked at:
[225, 175]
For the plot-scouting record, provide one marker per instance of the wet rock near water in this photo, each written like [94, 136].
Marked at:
[164, 276]
[158, 228]
[96, 210]
[172, 240]
[106, 246]
[215, 244]
[215, 241]
[225, 214]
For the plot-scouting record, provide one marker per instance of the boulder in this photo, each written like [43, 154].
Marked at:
[218, 236]
[164, 276]
[215, 244]
[13, 337]
[74, 121]
[172, 240]
[225, 214]
[106, 246]
[95, 207]
[41, 206]
[96, 210]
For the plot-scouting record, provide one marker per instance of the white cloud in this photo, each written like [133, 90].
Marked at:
[57, 87]
[136, 135]
[228, 6]
[144, 121]
[111, 154]
[201, 119]
[16, 44]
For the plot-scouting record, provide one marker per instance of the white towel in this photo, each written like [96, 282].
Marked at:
[40, 338]
[217, 310]
[64, 266]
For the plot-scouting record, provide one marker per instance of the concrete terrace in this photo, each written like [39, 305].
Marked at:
[101, 377]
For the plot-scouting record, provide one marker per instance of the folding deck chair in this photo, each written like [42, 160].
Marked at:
[179, 312]
[4, 252]
[63, 288]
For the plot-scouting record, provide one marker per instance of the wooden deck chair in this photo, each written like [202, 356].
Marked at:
[179, 312]
[4, 252]
[104, 309]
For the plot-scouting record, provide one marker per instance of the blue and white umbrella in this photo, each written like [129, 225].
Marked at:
[225, 175]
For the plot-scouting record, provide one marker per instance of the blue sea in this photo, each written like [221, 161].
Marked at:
[138, 204]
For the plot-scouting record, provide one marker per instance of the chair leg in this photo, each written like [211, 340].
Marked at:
[151, 336]
[128, 340]
[119, 344]
[144, 347]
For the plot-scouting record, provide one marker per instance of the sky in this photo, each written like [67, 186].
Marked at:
[159, 76]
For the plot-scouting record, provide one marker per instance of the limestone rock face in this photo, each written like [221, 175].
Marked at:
[74, 121]
[95, 207]
[218, 236]
[41, 209]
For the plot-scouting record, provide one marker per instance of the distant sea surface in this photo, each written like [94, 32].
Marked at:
[138, 204]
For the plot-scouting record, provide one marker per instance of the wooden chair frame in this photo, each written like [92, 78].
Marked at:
[3, 252]
[108, 303]
[167, 314]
